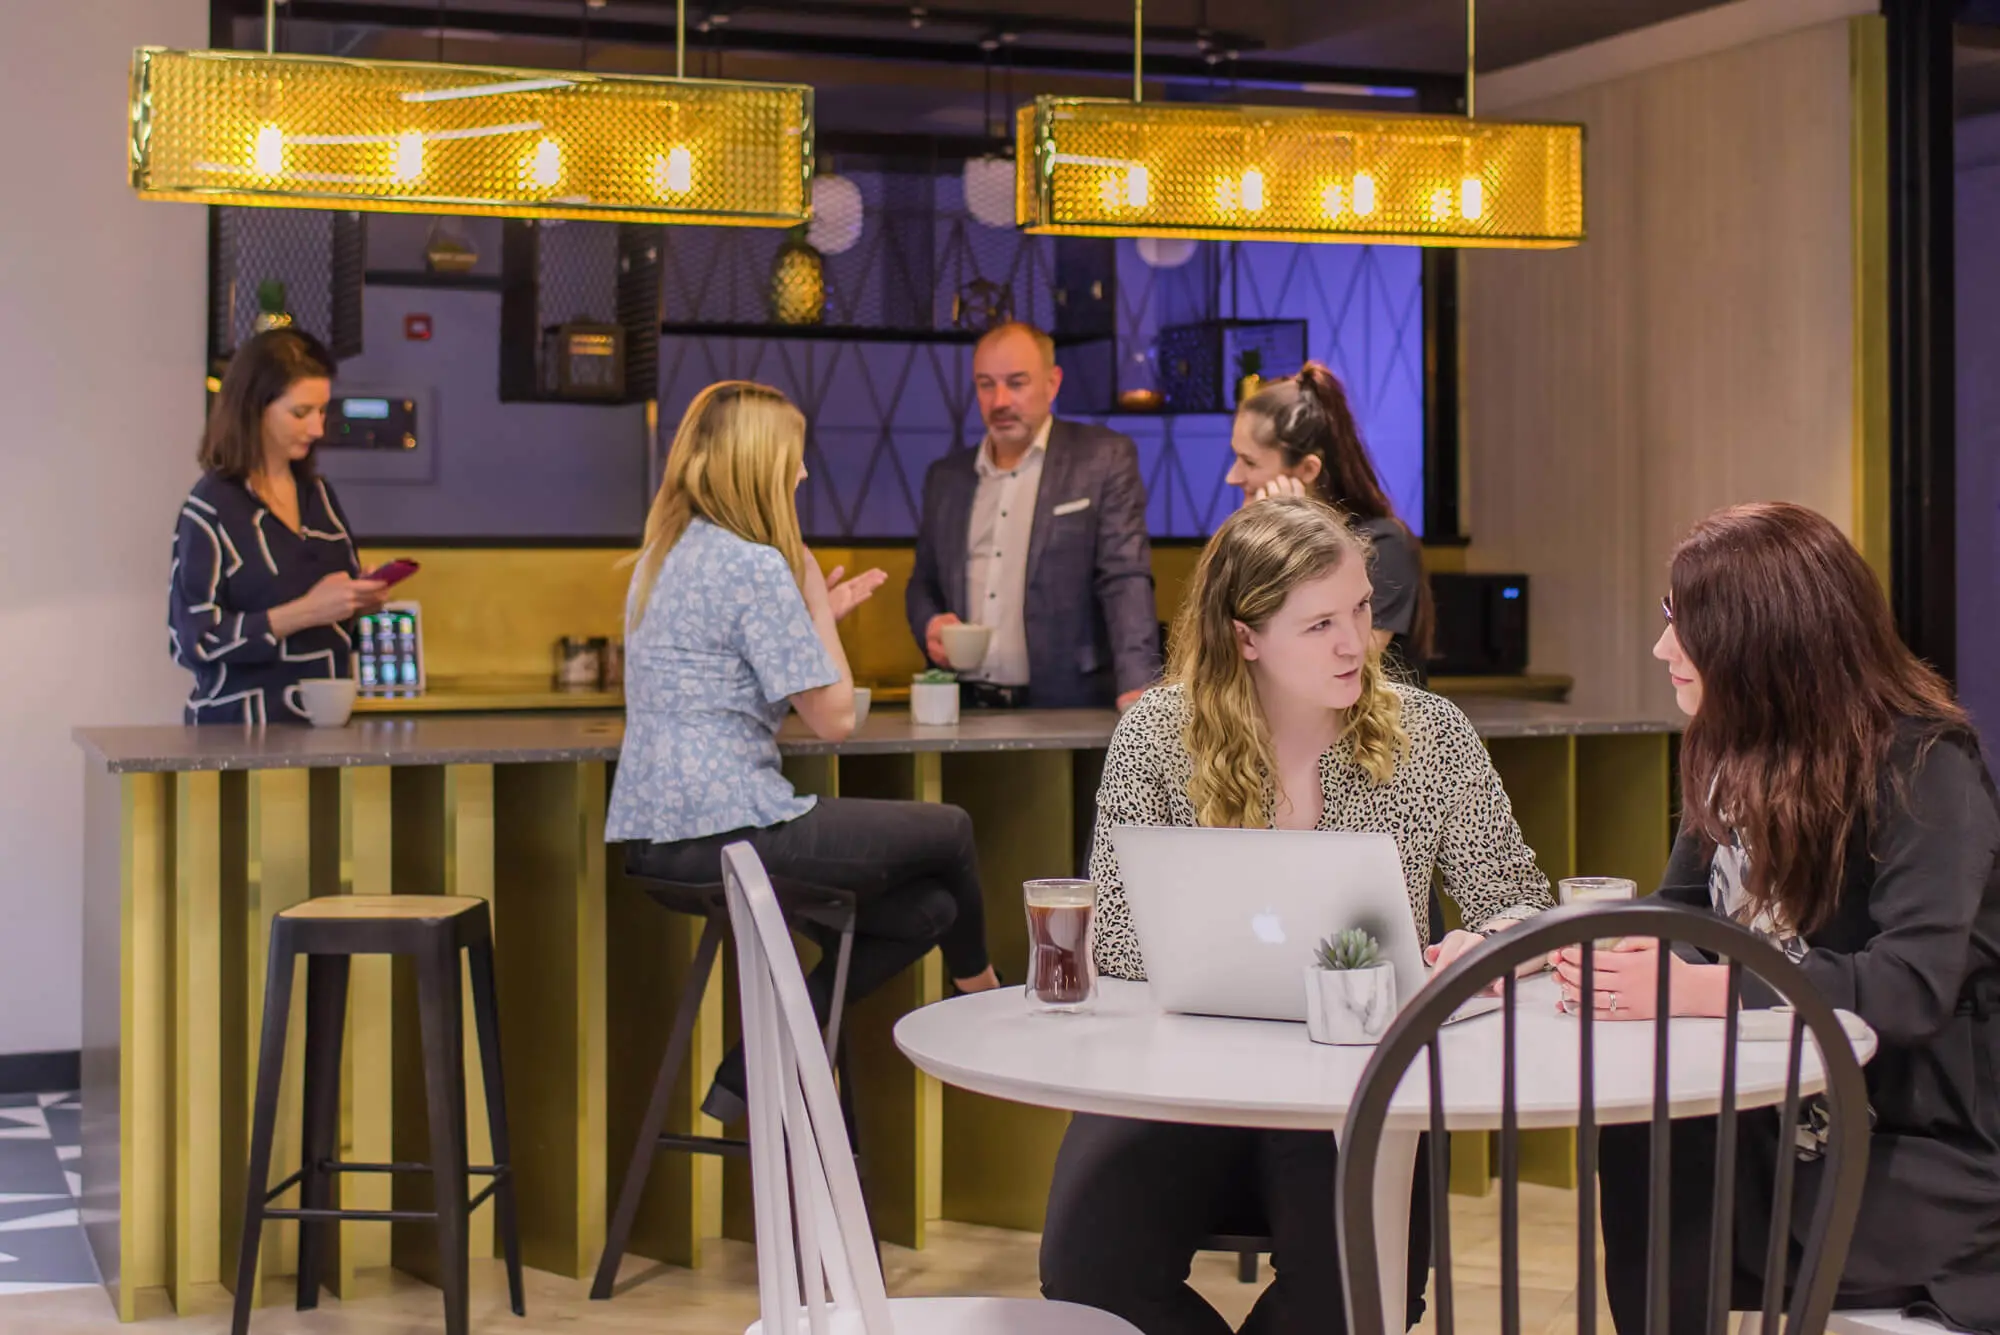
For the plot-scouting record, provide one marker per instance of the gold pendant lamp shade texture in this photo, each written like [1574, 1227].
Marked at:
[222, 127]
[1109, 167]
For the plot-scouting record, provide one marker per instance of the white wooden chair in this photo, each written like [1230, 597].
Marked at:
[812, 1225]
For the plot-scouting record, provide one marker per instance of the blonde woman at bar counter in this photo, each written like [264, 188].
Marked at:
[1277, 712]
[730, 625]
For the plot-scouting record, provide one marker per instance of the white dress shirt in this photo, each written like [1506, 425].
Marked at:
[996, 567]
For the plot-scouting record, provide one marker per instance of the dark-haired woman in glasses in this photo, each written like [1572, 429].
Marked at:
[1834, 800]
[265, 576]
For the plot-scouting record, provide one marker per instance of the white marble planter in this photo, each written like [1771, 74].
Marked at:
[934, 704]
[1349, 1005]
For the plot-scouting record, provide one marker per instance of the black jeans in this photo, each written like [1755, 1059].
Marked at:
[1132, 1201]
[912, 866]
[1624, 1158]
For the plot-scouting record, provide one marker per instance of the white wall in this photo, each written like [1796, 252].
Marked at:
[101, 346]
[1698, 350]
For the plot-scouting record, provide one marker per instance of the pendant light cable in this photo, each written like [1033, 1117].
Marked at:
[270, 27]
[1471, 50]
[1138, 44]
[680, 38]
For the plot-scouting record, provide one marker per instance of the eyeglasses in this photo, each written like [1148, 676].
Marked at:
[1667, 608]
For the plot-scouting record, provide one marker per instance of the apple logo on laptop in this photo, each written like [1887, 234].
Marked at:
[1268, 928]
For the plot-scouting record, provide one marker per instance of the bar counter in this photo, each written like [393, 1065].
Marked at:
[197, 837]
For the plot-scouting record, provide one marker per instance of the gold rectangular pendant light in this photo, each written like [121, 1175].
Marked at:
[228, 127]
[1108, 167]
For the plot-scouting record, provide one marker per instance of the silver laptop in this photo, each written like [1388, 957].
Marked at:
[1228, 919]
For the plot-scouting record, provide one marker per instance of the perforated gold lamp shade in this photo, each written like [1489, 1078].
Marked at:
[220, 127]
[1099, 167]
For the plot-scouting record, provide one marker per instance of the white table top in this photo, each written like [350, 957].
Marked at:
[1128, 1059]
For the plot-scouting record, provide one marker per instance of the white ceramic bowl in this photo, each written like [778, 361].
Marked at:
[965, 646]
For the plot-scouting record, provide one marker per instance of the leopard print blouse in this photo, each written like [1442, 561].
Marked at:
[1445, 807]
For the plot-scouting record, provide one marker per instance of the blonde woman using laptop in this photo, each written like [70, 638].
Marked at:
[1276, 713]
[730, 625]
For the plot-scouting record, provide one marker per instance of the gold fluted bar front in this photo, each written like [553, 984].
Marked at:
[228, 127]
[1104, 167]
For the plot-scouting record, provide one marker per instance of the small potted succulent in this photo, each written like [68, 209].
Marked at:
[934, 698]
[1350, 990]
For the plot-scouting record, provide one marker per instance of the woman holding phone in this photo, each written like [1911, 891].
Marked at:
[1835, 801]
[265, 579]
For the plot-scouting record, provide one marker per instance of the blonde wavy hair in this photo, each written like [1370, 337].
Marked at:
[1251, 565]
[735, 462]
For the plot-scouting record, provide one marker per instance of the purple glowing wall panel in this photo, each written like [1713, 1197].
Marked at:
[881, 413]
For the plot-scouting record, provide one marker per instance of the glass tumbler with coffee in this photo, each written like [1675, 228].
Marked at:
[1596, 890]
[1062, 969]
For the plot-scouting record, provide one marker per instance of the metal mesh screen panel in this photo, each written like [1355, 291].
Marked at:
[1113, 168]
[242, 128]
[295, 248]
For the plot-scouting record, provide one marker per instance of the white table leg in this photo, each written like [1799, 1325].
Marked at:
[1395, 1169]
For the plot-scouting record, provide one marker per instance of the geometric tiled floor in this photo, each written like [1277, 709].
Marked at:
[41, 1238]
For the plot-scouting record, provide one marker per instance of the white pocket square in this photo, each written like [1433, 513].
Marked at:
[1071, 507]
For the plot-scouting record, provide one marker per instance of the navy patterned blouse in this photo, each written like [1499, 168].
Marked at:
[233, 562]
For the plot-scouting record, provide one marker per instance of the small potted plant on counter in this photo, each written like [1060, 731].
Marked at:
[934, 698]
[1350, 990]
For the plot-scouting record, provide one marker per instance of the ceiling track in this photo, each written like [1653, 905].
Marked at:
[1170, 67]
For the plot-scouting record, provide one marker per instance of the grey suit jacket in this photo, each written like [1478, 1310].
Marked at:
[1093, 630]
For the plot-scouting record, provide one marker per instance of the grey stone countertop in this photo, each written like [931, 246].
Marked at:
[514, 738]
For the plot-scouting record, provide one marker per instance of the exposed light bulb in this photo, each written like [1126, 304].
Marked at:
[673, 172]
[1109, 193]
[1331, 199]
[1364, 193]
[1138, 187]
[544, 168]
[1225, 195]
[1440, 205]
[406, 156]
[1471, 198]
[1253, 191]
[267, 155]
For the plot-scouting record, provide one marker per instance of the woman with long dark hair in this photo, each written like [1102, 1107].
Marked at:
[1297, 437]
[265, 576]
[1834, 799]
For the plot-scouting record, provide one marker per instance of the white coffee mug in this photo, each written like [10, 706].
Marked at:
[862, 698]
[965, 646]
[327, 701]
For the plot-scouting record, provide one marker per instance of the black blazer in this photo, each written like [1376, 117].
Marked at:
[1913, 948]
[1093, 631]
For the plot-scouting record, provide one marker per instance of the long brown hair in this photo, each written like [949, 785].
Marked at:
[1804, 684]
[259, 373]
[1307, 416]
[735, 462]
[1252, 564]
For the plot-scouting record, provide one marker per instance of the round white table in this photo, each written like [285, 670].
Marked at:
[1128, 1059]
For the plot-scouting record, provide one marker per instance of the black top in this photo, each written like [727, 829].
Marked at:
[1396, 572]
[233, 562]
[1913, 948]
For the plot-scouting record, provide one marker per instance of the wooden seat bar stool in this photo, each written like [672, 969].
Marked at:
[828, 909]
[432, 930]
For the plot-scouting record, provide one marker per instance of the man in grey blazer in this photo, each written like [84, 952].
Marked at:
[1039, 533]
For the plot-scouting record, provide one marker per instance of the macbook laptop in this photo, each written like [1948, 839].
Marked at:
[1228, 919]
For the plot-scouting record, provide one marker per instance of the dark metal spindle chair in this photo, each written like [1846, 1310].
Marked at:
[1416, 1030]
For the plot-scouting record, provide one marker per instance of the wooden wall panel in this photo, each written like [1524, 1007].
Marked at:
[1698, 350]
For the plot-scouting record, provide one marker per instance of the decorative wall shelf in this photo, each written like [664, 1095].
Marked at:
[475, 282]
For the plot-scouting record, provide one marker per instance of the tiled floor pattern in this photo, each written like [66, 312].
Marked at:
[41, 1238]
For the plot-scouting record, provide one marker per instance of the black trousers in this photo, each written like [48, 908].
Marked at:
[1132, 1201]
[912, 866]
[1623, 1165]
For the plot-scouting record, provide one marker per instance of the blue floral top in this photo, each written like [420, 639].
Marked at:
[726, 639]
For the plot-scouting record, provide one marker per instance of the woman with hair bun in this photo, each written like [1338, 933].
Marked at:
[1297, 437]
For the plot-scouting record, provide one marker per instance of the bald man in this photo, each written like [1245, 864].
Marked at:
[1039, 533]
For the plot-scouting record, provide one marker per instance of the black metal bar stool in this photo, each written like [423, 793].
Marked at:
[819, 906]
[432, 929]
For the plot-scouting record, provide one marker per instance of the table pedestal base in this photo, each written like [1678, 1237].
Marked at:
[1395, 1171]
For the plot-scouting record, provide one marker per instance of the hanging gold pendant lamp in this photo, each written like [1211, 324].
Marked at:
[1108, 167]
[285, 131]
